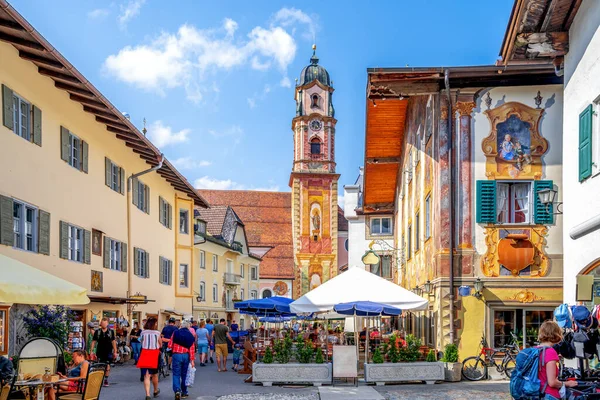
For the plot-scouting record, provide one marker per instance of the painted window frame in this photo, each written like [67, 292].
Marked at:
[18, 115]
[381, 232]
[184, 276]
[253, 273]
[75, 251]
[21, 226]
[510, 210]
[184, 221]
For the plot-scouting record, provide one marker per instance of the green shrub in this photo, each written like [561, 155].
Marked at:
[304, 352]
[377, 357]
[319, 356]
[392, 350]
[410, 352]
[268, 358]
[431, 357]
[450, 353]
[283, 350]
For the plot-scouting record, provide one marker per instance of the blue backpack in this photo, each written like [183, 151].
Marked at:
[525, 381]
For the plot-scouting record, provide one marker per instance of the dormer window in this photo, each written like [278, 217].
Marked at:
[315, 101]
[315, 146]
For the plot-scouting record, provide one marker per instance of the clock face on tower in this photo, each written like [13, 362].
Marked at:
[316, 125]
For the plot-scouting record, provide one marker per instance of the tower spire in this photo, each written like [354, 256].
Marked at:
[314, 60]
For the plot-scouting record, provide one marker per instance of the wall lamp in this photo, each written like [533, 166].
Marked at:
[427, 287]
[478, 285]
[548, 197]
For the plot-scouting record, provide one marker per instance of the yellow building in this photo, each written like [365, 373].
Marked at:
[71, 201]
[224, 269]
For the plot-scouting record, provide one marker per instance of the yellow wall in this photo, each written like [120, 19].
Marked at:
[38, 176]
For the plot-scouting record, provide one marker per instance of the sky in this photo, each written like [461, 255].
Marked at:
[215, 79]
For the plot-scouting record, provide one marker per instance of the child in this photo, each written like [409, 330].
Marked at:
[237, 353]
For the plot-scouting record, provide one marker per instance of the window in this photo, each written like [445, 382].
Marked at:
[253, 294]
[242, 270]
[409, 245]
[215, 262]
[229, 266]
[253, 273]
[25, 224]
[513, 203]
[267, 293]
[315, 101]
[141, 261]
[166, 271]
[242, 294]
[75, 149]
[202, 260]
[21, 109]
[141, 195]
[114, 176]
[75, 243]
[381, 226]
[417, 231]
[215, 293]
[183, 221]
[384, 268]
[165, 210]
[115, 255]
[427, 217]
[315, 146]
[200, 227]
[202, 291]
[183, 276]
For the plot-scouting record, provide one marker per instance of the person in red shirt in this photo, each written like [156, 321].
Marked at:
[182, 344]
[549, 335]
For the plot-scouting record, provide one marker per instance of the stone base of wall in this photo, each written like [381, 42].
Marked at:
[381, 374]
[267, 374]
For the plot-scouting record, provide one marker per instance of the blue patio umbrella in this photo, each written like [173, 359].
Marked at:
[274, 304]
[274, 319]
[366, 309]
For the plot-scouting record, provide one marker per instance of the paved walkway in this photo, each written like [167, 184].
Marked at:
[212, 385]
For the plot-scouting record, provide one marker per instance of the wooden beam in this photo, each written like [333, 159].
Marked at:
[122, 132]
[15, 40]
[141, 150]
[74, 89]
[39, 59]
[11, 25]
[548, 16]
[545, 44]
[383, 160]
[128, 139]
[145, 155]
[571, 15]
[101, 113]
[112, 123]
[57, 75]
[90, 102]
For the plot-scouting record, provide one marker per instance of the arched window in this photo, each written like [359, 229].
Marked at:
[267, 293]
[315, 146]
[315, 101]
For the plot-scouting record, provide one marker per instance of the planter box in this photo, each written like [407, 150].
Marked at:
[267, 374]
[453, 371]
[381, 374]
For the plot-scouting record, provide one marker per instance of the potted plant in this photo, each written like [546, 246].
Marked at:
[431, 357]
[452, 368]
[403, 365]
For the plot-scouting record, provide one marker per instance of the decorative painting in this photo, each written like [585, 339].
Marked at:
[96, 242]
[514, 147]
[96, 284]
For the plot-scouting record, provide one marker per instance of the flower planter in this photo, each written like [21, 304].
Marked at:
[381, 374]
[267, 374]
[453, 371]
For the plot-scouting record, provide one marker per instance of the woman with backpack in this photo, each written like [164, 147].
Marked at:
[549, 335]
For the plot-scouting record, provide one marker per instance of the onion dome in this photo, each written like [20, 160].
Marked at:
[314, 71]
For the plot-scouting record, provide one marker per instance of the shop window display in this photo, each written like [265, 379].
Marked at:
[76, 340]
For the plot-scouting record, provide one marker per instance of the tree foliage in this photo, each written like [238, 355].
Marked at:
[52, 322]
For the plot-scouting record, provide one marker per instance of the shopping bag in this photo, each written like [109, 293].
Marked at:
[191, 375]
[148, 359]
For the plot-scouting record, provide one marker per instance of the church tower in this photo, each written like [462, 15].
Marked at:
[313, 180]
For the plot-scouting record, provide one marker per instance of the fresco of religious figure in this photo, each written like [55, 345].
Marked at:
[514, 141]
[316, 221]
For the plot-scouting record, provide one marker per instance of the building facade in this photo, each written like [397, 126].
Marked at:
[225, 271]
[313, 180]
[69, 157]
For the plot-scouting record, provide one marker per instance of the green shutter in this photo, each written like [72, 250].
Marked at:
[123, 257]
[37, 126]
[161, 209]
[585, 143]
[121, 181]
[64, 144]
[147, 269]
[486, 202]
[7, 237]
[542, 214]
[136, 265]
[64, 240]
[107, 172]
[44, 233]
[87, 243]
[169, 216]
[134, 196]
[106, 252]
[84, 156]
[147, 202]
[7, 108]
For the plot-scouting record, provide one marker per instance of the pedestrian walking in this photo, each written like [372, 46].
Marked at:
[237, 354]
[211, 348]
[166, 334]
[104, 346]
[182, 344]
[220, 337]
[203, 343]
[150, 353]
[134, 342]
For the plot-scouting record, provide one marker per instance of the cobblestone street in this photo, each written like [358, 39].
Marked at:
[211, 385]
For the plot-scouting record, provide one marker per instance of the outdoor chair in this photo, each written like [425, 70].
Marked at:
[91, 386]
[37, 356]
[4, 393]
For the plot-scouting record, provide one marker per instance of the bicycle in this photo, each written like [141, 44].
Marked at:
[476, 367]
[162, 365]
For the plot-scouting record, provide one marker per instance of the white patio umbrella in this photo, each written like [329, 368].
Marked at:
[356, 284]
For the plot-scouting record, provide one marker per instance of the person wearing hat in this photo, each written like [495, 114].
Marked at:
[165, 335]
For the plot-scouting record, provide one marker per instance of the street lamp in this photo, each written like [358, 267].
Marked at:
[427, 286]
[478, 285]
[547, 198]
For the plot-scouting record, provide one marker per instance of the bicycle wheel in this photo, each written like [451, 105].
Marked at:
[509, 364]
[474, 368]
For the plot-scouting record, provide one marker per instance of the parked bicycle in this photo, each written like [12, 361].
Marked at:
[162, 365]
[476, 367]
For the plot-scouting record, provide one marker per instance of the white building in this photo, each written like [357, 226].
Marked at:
[581, 147]
[366, 228]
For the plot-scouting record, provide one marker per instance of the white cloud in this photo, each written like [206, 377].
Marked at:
[232, 131]
[190, 163]
[129, 11]
[207, 182]
[341, 201]
[186, 58]
[162, 135]
[251, 102]
[98, 13]
[285, 82]
[291, 16]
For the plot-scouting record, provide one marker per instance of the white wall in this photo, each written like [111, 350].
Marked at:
[582, 87]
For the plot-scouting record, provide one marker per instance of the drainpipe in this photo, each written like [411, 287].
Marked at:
[451, 213]
[129, 245]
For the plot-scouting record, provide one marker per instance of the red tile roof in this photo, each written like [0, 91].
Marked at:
[214, 218]
[267, 217]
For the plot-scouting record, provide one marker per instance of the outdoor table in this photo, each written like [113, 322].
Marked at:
[36, 384]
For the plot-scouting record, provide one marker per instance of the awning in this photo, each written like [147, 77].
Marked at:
[23, 284]
[173, 312]
[120, 300]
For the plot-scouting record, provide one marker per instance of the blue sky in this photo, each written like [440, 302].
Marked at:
[215, 79]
